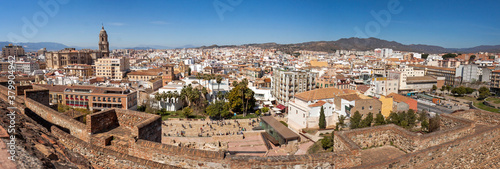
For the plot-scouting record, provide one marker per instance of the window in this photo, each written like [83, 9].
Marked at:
[304, 115]
[93, 98]
[119, 99]
[371, 107]
[363, 107]
[114, 99]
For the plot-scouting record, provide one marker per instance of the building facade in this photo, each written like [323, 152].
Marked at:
[286, 84]
[67, 56]
[448, 73]
[469, 73]
[26, 67]
[59, 59]
[79, 70]
[99, 98]
[12, 50]
[112, 68]
[495, 82]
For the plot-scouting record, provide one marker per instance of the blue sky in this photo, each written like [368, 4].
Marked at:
[189, 22]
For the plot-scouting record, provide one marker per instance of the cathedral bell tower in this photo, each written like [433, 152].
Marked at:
[103, 43]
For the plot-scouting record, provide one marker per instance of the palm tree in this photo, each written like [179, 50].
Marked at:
[219, 81]
[168, 96]
[248, 96]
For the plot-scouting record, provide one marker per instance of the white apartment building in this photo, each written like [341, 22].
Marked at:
[382, 86]
[26, 67]
[304, 110]
[286, 83]
[469, 73]
[384, 52]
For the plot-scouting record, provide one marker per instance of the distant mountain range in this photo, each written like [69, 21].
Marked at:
[362, 44]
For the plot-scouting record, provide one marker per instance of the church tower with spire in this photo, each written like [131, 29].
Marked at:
[103, 43]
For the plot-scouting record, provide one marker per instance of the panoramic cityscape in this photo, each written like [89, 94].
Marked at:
[249, 84]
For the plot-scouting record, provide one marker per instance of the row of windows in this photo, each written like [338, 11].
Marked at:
[77, 97]
[107, 98]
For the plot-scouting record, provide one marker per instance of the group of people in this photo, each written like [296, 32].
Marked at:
[212, 128]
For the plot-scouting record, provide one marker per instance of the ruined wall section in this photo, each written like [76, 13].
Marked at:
[76, 128]
[466, 152]
[321, 160]
[101, 121]
[104, 157]
[144, 126]
[178, 156]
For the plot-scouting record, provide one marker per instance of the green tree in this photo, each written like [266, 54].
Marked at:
[460, 91]
[422, 116]
[434, 88]
[448, 88]
[265, 110]
[394, 118]
[322, 119]
[469, 90]
[443, 88]
[472, 58]
[326, 143]
[484, 92]
[189, 71]
[219, 81]
[424, 125]
[379, 119]
[355, 120]
[342, 121]
[186, 112]
[425, 55]
[411, 118]
[248, 95]
[367, 122]
[219, 109]
[449, 55]
[238, 100]
[434, 123]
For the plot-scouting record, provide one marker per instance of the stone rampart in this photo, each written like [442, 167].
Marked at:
[76, 128]
[103, 157]
[101, 121]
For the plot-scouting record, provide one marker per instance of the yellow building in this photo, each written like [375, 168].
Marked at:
[386, 105]
[112, 68]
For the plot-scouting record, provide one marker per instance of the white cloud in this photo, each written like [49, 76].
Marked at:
[159, 22]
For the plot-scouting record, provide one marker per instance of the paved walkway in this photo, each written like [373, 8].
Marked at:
[375, 154]
[303, 148]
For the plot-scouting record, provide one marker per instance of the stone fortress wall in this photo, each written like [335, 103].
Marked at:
[466, 139]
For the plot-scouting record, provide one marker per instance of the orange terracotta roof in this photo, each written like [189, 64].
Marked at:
[317, 104]
[323, 93]
[399, 98]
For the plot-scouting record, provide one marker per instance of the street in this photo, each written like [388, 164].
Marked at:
[435, 109]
